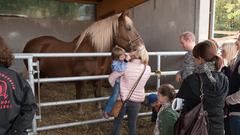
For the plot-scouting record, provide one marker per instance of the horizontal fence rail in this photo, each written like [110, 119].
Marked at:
[31, 56]
[94, 77]
[80, 78]
[65, 125]
[59, 55]
[77, 101]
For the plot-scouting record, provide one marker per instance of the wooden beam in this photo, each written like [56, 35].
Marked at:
[82, 1]
[109, 7]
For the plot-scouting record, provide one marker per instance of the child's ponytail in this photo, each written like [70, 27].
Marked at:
[218, 62]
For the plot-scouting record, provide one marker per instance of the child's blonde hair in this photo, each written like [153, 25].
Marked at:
[230, 50]
[187, 35]
[140, 53]
[116, 52]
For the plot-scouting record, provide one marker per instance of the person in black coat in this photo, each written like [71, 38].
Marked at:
[215, 86]
[17, 102]
[229, 54]
[233, 98]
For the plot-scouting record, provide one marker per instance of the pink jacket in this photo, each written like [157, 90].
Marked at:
[128, 79]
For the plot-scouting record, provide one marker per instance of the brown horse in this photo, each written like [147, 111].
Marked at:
[101, 36]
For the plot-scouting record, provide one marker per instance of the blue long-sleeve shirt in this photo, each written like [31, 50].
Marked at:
[119, 66]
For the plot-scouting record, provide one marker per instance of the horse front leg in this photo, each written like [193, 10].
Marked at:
[80, 94]
[98, 92]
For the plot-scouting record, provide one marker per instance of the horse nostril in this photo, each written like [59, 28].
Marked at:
[128, 49]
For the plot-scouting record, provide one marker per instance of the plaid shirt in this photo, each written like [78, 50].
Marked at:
[188, 65]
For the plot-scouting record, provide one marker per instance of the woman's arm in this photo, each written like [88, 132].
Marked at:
[186, 93]
[114, 76]
[184, 90]
[234, 98]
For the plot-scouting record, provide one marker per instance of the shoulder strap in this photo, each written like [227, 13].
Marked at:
[135, 84]
[200, 86]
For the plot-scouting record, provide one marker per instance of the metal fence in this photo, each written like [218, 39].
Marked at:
[31, 64]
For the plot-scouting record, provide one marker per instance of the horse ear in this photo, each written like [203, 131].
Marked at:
[124, 14]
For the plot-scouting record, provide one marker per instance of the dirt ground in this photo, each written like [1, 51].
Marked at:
[69, 113]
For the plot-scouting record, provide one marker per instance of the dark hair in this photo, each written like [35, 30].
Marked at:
[116, 52]
[207, 50]
[6, 56]
[167, 90]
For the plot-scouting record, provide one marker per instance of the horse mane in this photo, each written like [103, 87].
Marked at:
[101, 33]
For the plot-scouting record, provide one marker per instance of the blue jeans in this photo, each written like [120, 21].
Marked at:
[112, 99]
[227, 126]
[132, 109]
[234, 122]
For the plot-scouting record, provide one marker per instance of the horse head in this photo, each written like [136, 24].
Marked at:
[127, 34]
[107, 33]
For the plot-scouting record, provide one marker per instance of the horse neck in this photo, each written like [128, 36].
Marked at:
[75, 39]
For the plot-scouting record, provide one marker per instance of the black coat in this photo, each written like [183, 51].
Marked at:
[213, 101]
[17, 103]
[234, 86]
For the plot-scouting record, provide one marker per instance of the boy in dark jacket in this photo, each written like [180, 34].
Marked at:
[17, 102]
[152, 100]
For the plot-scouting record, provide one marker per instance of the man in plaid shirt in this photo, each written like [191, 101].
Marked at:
[187, 41]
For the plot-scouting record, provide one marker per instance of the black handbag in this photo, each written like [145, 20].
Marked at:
[195, 121]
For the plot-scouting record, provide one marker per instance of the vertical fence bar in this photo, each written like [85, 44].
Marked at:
[159, 69]
[211, 19]
[31, 82]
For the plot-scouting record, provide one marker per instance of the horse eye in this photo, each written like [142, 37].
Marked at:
[128, 28]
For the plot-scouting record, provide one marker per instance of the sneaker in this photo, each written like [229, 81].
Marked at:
[105, 115]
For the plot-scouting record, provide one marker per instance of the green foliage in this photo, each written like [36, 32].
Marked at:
[43, 8]
[227, 15]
